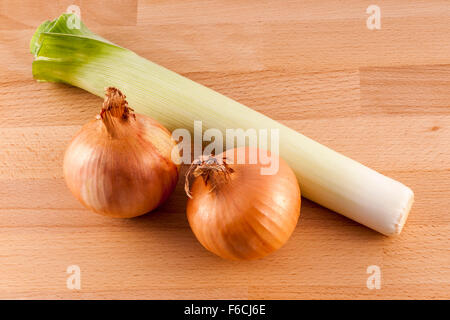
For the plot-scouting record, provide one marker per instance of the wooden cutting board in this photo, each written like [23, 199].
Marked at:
[381, 97]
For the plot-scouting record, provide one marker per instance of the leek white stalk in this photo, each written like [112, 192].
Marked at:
[83, 59]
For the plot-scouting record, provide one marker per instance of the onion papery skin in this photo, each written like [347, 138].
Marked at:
[123, 175]
[248, 215]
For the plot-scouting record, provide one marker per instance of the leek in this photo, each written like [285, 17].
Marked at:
[79, 57]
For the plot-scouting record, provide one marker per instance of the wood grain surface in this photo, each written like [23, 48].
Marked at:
[381, 97]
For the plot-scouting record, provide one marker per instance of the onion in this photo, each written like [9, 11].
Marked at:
[120, 164]
[238, 213]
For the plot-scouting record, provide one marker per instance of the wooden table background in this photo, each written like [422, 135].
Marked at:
[381, 97]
